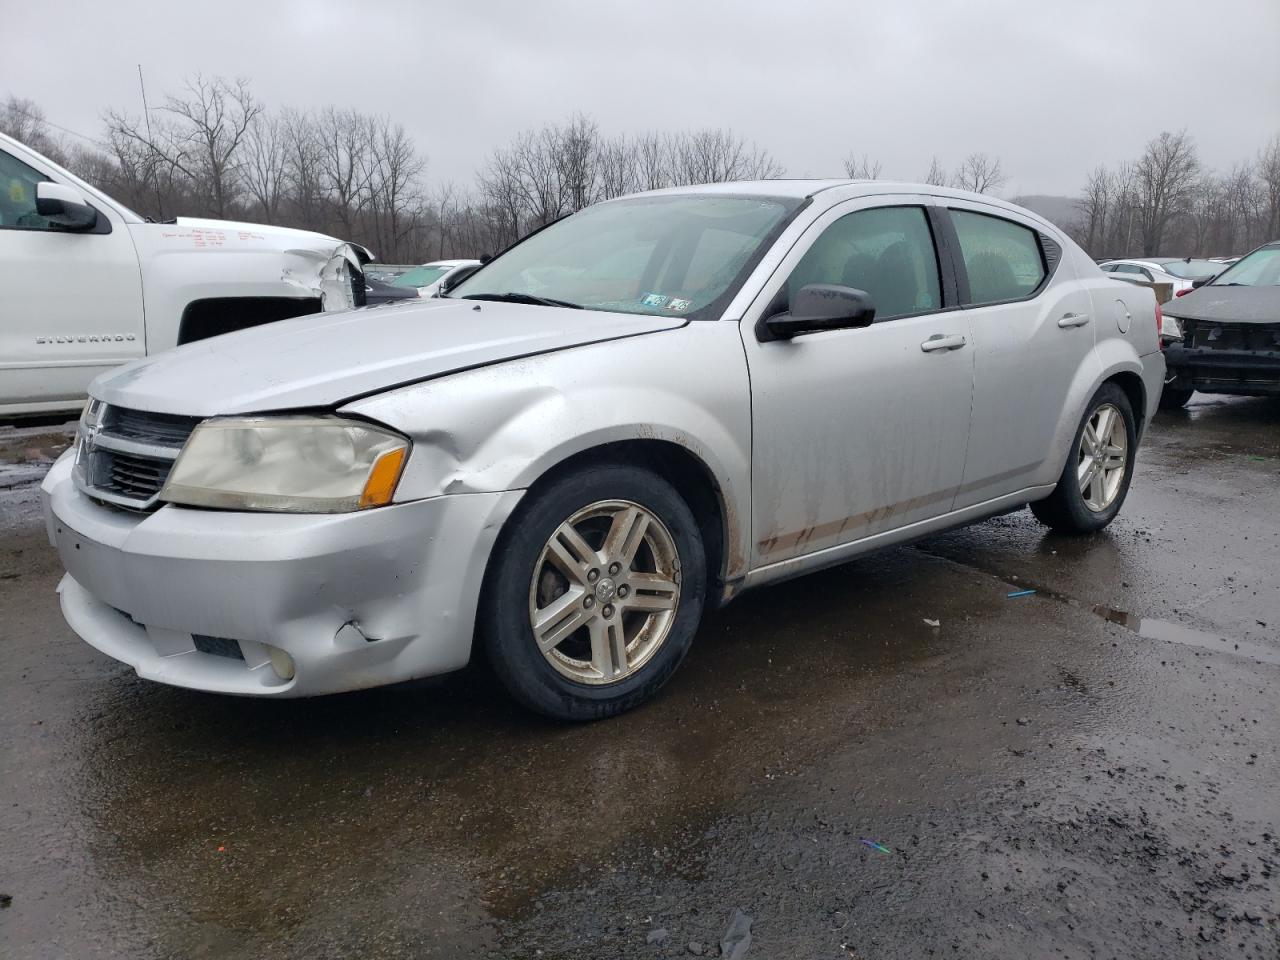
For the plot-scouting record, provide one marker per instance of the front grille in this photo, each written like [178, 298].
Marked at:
[1250, 337]
[137, 477]
[164, 429]
[218, 646]
[126, 460]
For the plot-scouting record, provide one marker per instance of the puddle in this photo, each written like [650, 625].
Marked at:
[1177, 633]
[1146, 627]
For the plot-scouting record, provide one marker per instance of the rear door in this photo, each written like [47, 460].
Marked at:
[70, 303]
[859, 431]
[1033, 327]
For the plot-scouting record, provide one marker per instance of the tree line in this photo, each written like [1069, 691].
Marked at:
[214, 149]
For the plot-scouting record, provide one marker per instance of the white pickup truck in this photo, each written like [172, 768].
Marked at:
[87, 284]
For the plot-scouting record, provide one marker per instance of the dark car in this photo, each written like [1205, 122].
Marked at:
[1230, 330]
[379, 291]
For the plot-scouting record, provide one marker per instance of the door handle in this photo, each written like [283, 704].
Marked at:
[942, 341]
[1073, 320]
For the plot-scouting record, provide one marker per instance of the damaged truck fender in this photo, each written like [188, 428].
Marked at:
[88, 293]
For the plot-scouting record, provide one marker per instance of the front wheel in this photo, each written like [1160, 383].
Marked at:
[594, 593]
[1096, 478]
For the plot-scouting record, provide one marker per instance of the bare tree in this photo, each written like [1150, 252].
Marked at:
[1268, 168]
[619, 168]
[1095, 206]
[1166, 179]
[577, 148]
[266, 163]
[861, 168]
[303, 168]
[25, 121]
[345, 142]
[937, 175]
[394, 198]
[717, 156]
[200, 137]
[980, 173]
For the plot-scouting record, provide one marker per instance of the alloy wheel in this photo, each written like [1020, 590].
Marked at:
[1103, 457]
[604, 592]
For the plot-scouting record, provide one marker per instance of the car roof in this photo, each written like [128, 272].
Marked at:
[802, 188]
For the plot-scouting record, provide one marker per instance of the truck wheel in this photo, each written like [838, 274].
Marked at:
[1174, 398]
[594, 594]
[1096, 478]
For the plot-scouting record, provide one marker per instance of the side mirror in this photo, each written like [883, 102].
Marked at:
[821, 306]
[1197, 284]
[64, 206]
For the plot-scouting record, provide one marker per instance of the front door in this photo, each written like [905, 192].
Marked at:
[70, 303]
[860, 431]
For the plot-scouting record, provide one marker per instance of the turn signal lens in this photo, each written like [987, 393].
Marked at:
[383, 478]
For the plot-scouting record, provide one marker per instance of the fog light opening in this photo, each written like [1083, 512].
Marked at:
[281, 663]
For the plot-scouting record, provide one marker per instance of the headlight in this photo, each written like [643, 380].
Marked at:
[290, 464]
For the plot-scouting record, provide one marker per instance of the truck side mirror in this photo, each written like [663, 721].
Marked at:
[64, 207]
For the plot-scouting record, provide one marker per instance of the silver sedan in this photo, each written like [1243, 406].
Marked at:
[570, 454]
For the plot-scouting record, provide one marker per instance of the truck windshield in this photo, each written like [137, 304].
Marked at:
[1259, 269]
[681, 255]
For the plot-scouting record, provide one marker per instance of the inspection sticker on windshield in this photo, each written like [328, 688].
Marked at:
[678, 305]
[654, 300]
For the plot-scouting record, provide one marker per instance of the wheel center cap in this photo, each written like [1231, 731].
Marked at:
[605, 589]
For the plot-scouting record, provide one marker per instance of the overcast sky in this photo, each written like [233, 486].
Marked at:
[1052, 87]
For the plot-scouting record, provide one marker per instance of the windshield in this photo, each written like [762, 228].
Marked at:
[657, 255]
[1192, 269]
[1259, 269]
[420, 276]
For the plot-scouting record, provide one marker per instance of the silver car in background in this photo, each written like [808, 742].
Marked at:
[632, 415]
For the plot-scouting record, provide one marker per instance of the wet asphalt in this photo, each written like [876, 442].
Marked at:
[1087, 771]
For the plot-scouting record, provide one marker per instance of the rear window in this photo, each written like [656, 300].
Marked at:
[1192, 269]
[1002, 258]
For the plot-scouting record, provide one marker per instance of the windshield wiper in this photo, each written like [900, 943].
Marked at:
[522, 298]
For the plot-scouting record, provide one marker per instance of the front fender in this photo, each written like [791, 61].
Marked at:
[503, 426]
[181, 264]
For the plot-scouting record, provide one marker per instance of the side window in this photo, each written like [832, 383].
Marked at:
[1002, 258]
[18, 194]
[888, 252]
[1127, 268]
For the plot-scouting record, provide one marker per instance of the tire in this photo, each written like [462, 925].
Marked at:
[1068, 509]
[1175, 398]
[582, 676]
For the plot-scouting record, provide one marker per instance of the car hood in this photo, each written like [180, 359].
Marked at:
[1228, 304]
[322, 360]
[260, 229]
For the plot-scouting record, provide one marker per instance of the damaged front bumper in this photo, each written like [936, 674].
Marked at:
[212, 599]
[1211, 370]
